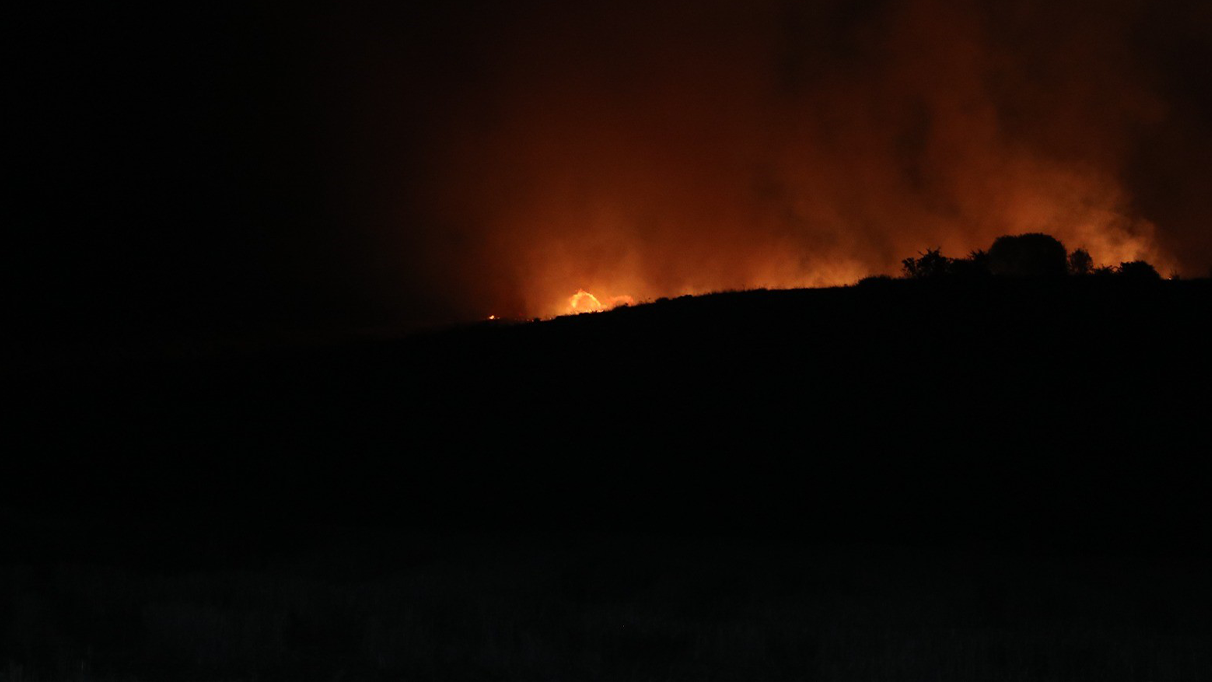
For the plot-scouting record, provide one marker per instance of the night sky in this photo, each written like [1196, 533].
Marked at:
[189, 170]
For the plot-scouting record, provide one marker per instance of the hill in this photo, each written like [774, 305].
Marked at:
[1009, 418]
[743, 408]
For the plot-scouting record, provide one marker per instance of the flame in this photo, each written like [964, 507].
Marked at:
[584, 302]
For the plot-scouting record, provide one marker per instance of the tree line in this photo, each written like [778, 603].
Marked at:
[1026, 255]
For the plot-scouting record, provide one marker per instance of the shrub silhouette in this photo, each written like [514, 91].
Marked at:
[975, 266]
[875, 280]
[929, 265]
[1034, 255]
[1028, 255]
[1080, 263]
[1138, 270]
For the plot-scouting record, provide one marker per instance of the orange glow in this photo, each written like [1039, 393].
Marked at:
[584, 302]
[717, 174]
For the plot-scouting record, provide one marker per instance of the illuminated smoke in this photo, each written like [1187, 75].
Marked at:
[659, 150]
[584, 302]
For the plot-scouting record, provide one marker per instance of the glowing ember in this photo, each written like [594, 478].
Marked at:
[492, 317]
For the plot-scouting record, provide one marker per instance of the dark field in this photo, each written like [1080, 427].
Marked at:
[899, 480]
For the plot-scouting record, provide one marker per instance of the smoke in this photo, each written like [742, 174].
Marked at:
[656, 149]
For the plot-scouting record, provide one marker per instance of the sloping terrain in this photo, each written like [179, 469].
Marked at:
[899, 409]
[993, 479]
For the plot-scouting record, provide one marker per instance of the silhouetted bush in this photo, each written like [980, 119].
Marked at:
[1080, 263]
[1028, 255]
[975, 266]
[928, 265]
[875, 280]
[934, 265]
[1138, 270]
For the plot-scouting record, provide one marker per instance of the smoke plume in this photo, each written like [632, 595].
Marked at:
[637, 149]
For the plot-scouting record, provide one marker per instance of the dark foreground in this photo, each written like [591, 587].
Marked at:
[998, 480]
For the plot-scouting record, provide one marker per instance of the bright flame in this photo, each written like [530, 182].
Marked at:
[584, 302]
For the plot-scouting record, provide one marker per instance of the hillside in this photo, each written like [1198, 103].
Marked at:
[995, 480]
[754, 409]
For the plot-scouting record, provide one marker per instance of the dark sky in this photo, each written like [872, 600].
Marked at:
[202, 169]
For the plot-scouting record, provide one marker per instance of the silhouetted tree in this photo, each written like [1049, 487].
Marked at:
[1138, 270]
[1028, 255]
[928, 265]
[1080, 262]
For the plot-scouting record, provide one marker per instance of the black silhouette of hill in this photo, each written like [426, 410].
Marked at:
[1022, 418]
[704, 400]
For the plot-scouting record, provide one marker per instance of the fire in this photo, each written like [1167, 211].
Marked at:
[584, 302]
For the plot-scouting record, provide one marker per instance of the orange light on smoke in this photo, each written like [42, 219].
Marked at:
[584, 302]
